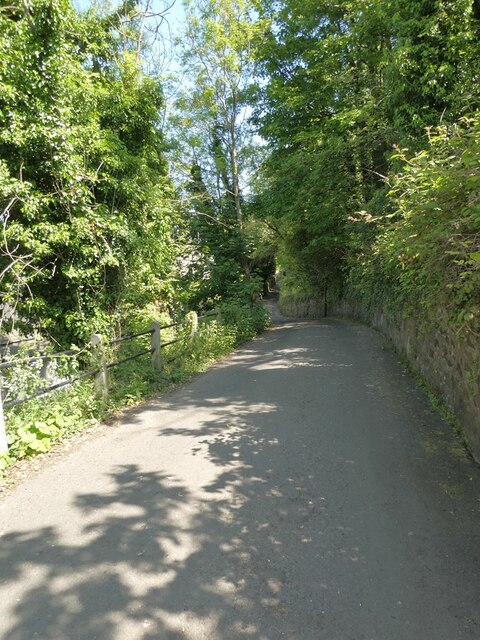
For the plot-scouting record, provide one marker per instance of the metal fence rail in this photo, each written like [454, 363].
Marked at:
[52, 387]
[8, 343]
[5, 346]
[8, 364]
[128, 358]
[130, 337]
[98, 351]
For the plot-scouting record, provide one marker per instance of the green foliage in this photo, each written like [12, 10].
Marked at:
[32, 365]
[84, 192]
[216, 338]
[320, 111]
[213, 341]
[428, 249]
[245, 321]
[33, 428]
[213, 139]
[342, 85]
[310, 215]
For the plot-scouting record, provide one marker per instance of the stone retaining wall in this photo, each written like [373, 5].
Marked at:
[307, 308]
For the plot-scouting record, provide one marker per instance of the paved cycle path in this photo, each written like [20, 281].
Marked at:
[301, 489]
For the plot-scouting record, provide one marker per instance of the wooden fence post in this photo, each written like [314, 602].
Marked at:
[192, 318]
[3, 433]
[156, 346]
[101, 379]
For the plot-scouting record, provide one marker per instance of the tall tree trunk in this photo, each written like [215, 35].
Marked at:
[236, 183]
[235, 176]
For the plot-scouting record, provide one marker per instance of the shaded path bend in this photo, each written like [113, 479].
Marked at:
[300, 489]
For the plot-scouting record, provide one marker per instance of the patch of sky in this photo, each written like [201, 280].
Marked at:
[164, 22]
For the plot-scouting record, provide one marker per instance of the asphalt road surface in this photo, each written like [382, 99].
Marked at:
[301, 489]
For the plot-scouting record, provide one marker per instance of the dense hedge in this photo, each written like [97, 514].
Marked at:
[425, 256]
